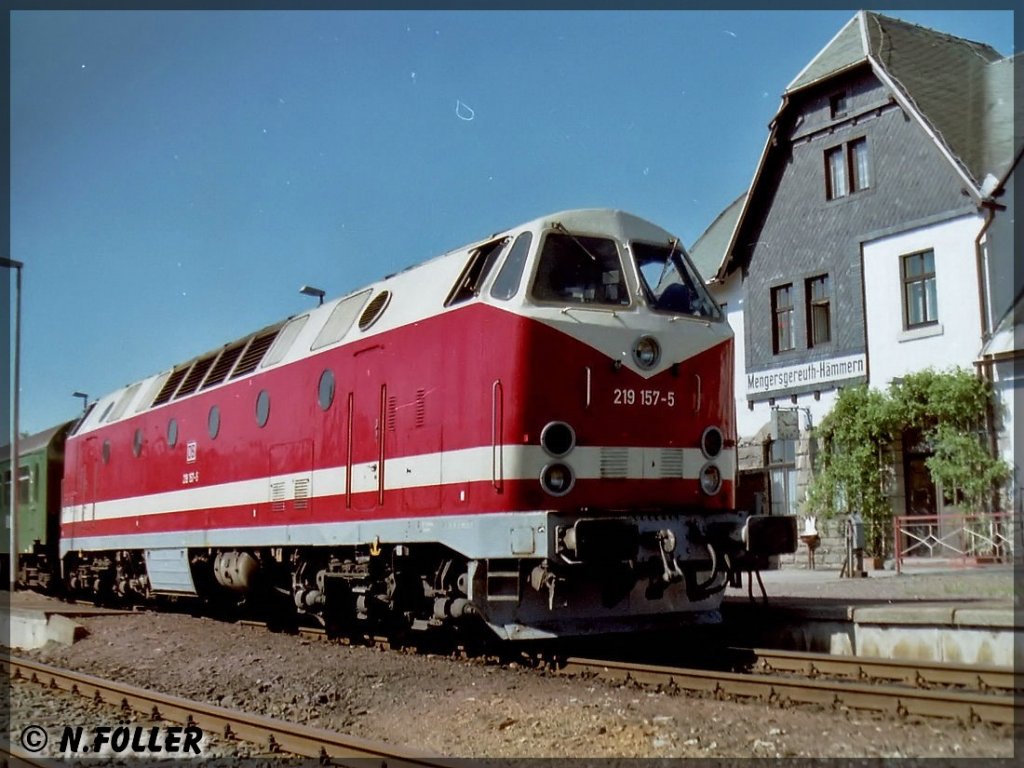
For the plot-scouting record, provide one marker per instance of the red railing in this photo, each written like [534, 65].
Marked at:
[970, 538]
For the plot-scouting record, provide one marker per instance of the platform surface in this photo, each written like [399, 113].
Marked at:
[945, 594]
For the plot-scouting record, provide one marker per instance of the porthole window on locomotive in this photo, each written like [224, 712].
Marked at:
[325, 392]
[106, 451]
[374, 310]
[262, 408]
[172, 432]
[213, 422]
[137, 442]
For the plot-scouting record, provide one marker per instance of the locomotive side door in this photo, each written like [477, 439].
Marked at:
[87, 478]
[418, 442]
[368, 444]
[84, 503]
[371, 419]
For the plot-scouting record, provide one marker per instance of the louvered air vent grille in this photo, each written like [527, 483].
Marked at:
[374, 310]
[254, 353]
[671, 462]
[614, 462]
[301, 486]
[222, 367]
[194, 378]
[421, 407]
[170, 385]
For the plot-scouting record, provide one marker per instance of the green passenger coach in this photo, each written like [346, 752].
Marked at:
[38, 485]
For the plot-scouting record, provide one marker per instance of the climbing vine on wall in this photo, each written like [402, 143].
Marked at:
[855, 446]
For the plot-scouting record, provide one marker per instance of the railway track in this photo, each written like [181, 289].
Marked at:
[919, 674]
[275, 735]
[967, 692]
[794, 685]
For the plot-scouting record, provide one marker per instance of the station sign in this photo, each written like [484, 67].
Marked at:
[814, 374]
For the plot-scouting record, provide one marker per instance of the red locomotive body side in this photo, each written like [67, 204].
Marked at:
[300, 436]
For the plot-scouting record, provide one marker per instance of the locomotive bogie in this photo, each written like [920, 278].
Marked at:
[544, 418]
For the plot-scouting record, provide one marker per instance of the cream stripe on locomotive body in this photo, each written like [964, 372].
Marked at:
[532, 424]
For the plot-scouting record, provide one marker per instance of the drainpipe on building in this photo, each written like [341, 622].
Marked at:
[984, 365]
[990, 209]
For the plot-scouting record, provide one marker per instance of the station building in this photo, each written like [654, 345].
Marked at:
[875, 239]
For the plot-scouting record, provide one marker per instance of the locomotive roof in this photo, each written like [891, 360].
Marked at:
[301, 335]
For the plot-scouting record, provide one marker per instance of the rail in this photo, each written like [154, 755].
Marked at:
[276, 735]
[919, 673]
[967, 537]
[786, 688]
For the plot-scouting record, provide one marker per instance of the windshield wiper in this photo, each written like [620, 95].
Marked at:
[668, 260]
[559, 227]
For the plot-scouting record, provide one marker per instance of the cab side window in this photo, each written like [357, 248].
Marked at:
[475, 273]
[506, 284]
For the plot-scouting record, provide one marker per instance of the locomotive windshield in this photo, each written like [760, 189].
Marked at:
[670, 282]
[575, 269]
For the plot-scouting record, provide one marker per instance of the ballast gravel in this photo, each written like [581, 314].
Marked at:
[460, 708]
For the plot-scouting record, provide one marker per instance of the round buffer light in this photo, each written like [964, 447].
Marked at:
[646, 352]
[711, 442]
[557, 479]
[557, 438]
[710, 479]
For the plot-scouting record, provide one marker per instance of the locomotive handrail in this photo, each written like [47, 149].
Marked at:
[383, 439]
[584, 308]
[497, 417]
[348, 452]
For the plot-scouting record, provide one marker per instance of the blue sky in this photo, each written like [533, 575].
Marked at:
[176, 176]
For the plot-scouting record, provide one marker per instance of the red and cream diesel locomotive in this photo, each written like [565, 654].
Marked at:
[535, 431]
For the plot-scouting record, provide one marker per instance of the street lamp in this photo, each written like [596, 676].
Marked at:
[309, 290]
[15, 457]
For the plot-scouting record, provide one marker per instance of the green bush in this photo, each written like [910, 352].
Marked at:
[856, 437]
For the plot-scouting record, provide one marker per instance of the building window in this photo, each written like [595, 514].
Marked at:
[782, 313]
[819, 313]
[860, 172]
[838, 105]
[782, 476]
[847, 169]
[920, 306]
[835, 173]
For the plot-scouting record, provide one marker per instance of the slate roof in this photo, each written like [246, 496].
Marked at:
[960, 91]
[706, 253]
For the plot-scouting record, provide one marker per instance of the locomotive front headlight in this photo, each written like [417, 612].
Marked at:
[557, 438]
[711, 442]
[557, 479]
[646, 352]
[710, 479]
